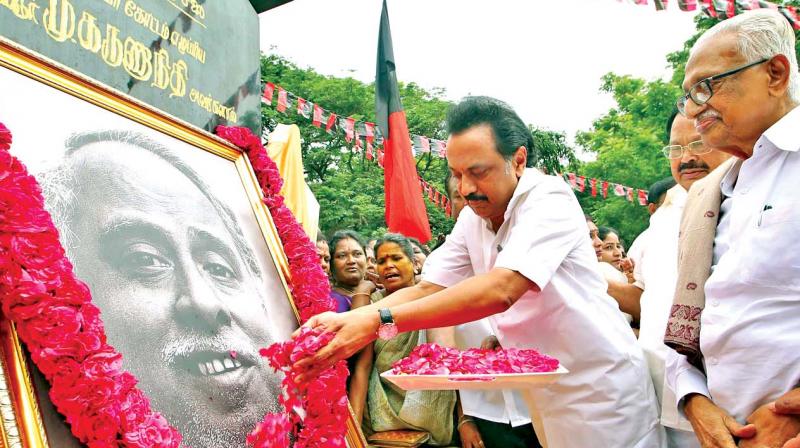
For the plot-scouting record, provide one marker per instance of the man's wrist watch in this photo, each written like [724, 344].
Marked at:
[387, 329]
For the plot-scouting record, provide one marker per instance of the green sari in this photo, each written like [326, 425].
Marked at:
[389, 407]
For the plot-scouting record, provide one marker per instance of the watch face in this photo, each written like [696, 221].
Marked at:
[387, 331]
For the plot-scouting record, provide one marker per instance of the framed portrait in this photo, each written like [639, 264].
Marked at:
[164, 223]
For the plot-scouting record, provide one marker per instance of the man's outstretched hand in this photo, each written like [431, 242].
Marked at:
[354, 329]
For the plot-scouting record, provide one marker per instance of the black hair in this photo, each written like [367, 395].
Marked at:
[603, 231]
[671, 120]
[321, 236]
[659, 189]
[508, 128]
[421, 246]
[346, 234]
[398, 239]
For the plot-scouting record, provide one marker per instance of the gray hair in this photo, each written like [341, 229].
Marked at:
[60, 183]
[762, 33]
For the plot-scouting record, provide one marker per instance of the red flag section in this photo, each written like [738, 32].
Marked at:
[405, 208]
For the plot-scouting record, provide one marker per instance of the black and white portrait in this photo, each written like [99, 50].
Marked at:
[169, 244]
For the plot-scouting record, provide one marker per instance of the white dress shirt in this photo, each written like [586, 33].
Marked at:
[656, 272]
[607, 399]
[501, 406]
[749, 332]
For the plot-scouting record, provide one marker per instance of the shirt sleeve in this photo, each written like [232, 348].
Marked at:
[545, 232]
[682, 378]
[450, 263]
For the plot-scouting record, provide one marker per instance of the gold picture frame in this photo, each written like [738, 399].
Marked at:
[21, 420]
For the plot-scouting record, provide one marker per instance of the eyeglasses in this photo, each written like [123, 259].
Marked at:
[701, 92]
[695, 148]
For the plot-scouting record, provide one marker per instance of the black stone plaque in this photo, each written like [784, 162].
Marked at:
[197, 60]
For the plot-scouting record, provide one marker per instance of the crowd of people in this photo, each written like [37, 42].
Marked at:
[683, 339]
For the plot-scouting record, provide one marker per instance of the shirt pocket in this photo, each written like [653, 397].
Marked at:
[771, 256]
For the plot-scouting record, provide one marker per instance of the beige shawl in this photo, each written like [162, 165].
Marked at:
[695, 256]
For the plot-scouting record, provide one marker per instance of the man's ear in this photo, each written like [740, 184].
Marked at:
[778, 70]
[520, 160]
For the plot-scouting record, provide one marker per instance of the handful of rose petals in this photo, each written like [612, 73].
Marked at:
[317, 410]
[433, 359]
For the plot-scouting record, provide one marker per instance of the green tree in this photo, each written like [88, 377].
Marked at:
[628, 141]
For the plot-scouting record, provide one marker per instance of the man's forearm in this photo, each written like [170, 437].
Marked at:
[628, 297]
[469, 300]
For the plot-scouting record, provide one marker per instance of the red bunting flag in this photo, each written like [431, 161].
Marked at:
[687, 5]
[369, 151]
[629, 194]
[357, 147]
[642, 197]
[593, 183]
[425, 144]
[405, 210]
[283, 100]
[605, 189]
[619, 190]
[349, 129]
[317, 120]
[370, 131]
[303, 108]
[581, 183]
[331, 122]
[441, 149]
[380, 158]
[572, 180]
[269, 89]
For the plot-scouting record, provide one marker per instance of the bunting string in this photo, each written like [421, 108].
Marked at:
[367, 137]
[725, 9]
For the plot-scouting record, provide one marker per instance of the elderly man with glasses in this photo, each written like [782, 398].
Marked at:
[733, 323]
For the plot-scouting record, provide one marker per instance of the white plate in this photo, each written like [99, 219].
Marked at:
[481, 381]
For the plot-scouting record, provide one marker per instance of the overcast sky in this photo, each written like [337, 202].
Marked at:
[544, 57]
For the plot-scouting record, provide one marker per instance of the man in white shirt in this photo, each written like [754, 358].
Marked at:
[521, 254]
[737, 331]
[488, 418]
[657, 269]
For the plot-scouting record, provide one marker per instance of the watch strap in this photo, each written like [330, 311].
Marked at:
[386, 316]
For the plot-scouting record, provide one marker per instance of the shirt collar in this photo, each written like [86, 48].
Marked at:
[729, 180]
[529, 179]
[783, 133]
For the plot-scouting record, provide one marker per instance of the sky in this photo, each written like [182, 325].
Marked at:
[543, 57]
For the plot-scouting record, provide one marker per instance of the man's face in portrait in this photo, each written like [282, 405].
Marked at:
[176, 295]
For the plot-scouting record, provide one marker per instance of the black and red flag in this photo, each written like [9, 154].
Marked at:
[405, 208]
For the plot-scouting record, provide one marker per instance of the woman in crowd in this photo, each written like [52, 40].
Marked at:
[378, 404]
[421, 252]
[348, 266]
[611, 255]
[324, 253]
[597, 243]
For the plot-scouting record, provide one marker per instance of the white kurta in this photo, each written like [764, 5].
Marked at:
[607, 399]
[749, 333]
[657, 272]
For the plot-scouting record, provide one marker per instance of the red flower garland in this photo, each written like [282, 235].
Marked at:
[60, 326]
[62, 329]
[315, 412]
